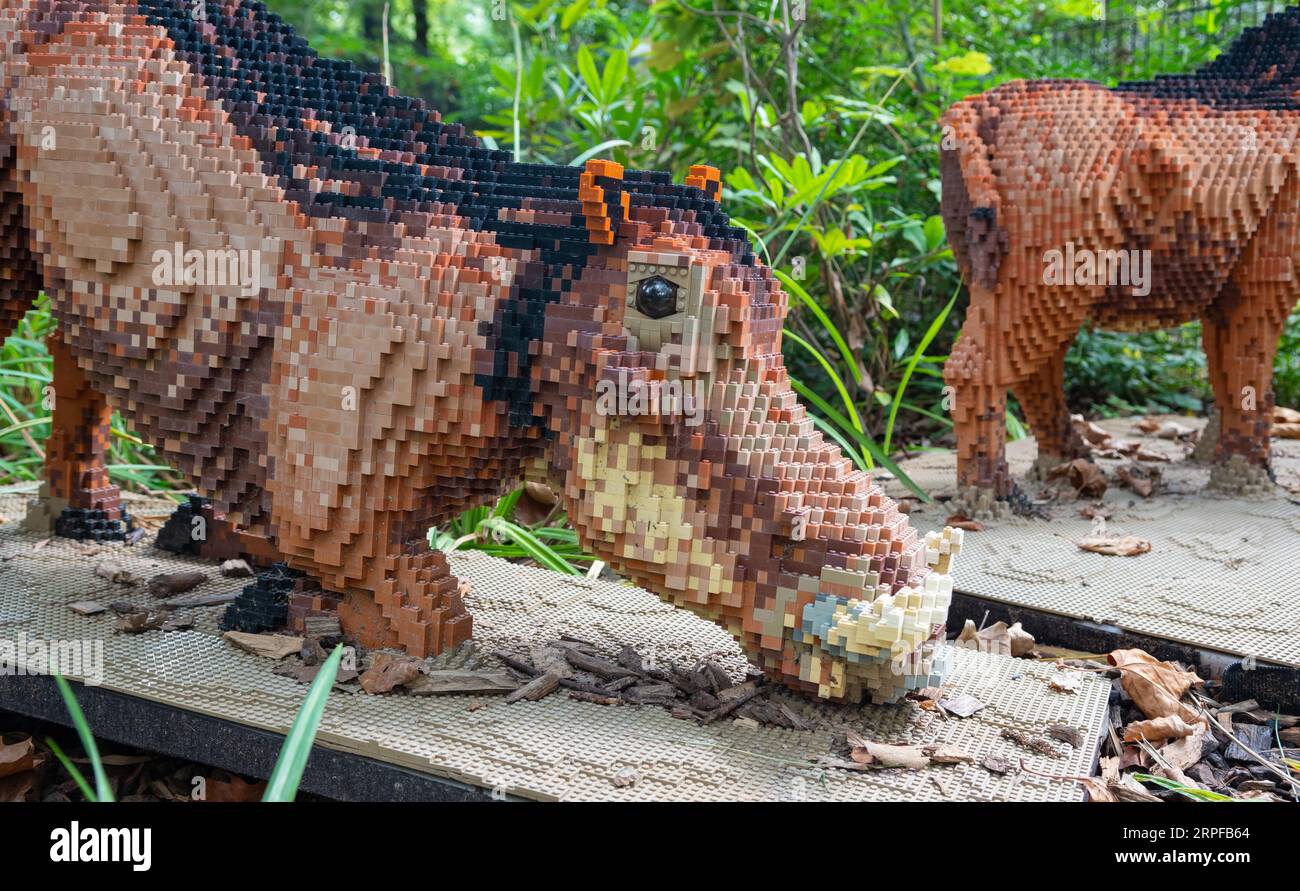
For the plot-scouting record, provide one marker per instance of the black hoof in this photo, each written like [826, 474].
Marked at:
[178, 535]
[1023, 506]
[263, 605]
[93, 525]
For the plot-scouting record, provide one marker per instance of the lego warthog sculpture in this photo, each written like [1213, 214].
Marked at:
[1134, 208]
[347, 321]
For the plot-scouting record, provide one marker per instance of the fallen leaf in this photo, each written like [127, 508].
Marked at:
[18, 757]
[1158, 729]
[1283, 415]
[1022, 642]
[170, 583]
[1147, 425]
[87, 608]
[1139, 483]
[1066, 733]
[1064, 682]
[1156, 687]
[141, 620]
[625, 778]
[1089, 431]
[1084, 477]
[1094, 511]
[1096, 789]
[234, 789]
[1174, 430]
[272, 646]
[118, 573]
[390, 672]
[1184, 752]
[996, 764]
[945, 754]
[864, 751]
[961, 521]
[963, 705]
[1114, 545]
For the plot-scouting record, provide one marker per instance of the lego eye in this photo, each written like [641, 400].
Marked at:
[656, 297]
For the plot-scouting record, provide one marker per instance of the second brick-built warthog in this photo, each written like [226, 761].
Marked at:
[1133, 208]
[424, 323]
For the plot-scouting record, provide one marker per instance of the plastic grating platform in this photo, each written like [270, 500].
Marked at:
[1222, 574]
[557, 748]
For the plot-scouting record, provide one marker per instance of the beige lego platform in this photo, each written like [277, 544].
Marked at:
[1222, 574]
[557, 748]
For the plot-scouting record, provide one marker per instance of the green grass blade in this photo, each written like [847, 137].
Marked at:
[77, 776]
[870, 450]
[830, 430]
[795, 288]
[1186, 791]
[921, 347]
[283, 785]
[536, 549]
[832, 374]
[103, 791]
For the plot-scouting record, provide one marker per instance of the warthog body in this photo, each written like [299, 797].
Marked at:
[1136, 208]
[433, 323]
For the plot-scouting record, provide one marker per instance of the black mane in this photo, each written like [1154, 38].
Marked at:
[1260, 70]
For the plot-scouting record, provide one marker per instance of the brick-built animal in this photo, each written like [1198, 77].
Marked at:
[417, 324]
[1135, 208]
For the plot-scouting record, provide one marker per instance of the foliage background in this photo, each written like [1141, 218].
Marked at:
[822, 116]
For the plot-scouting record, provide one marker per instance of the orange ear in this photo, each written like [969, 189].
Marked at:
[705, 178]
[603, 206]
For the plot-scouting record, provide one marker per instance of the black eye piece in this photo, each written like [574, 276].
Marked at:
[656, 297]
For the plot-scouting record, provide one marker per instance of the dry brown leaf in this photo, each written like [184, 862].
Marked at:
[1158, 729]
[963, 705]
[1139, 484]
[234, 789]
[18, 757]
[1283, 415]
[1155, 687]
[1174, 430]
[1064, 682]
[1286, 431]
[1183, 753]
[864, 751]
[1084, 477]
[1088, 430]
[1147, 425]
[961, 521]
[1114, 545]
[118, 573]
[272, 646]
[385, 674]
[1096, 789]
[945, 754]
[1022, 642]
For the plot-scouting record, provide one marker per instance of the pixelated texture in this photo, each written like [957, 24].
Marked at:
[561, 748]
[1219, 579]
[1198, 170]
[348, 321]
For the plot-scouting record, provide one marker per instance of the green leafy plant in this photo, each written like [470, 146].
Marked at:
[549, 543]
